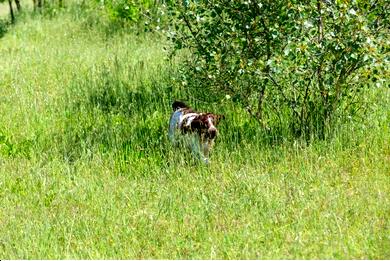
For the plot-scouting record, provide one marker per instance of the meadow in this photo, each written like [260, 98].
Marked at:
[87, 171]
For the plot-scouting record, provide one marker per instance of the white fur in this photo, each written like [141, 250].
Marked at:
[174, 123]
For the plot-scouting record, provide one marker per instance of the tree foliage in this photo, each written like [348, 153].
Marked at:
[300, 63]
[126, 10]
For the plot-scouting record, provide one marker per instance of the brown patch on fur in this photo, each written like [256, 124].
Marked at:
[200, 125]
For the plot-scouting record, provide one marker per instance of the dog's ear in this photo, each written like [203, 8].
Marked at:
[178, 105]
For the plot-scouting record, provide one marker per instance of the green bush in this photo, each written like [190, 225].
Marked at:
[299, 65]
[126, 10]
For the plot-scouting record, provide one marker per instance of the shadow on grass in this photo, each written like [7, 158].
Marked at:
[4, 25]
[15, 149]
[109, 113]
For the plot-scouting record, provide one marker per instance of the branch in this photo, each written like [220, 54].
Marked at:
[320, 22]
[305, 97]
[277, 85]
[193, 33]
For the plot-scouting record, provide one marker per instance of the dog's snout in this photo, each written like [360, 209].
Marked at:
[212, 133]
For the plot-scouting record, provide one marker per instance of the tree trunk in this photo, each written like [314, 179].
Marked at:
[39, 3]
[323, 92]
[18, 6]
[35, 4]
[60, 3]
[11, 10]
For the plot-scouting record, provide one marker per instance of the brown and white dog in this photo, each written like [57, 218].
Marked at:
[197, 128]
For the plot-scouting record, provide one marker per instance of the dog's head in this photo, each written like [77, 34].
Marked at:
[206, 124]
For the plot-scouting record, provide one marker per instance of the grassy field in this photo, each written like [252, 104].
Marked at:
[86, 169]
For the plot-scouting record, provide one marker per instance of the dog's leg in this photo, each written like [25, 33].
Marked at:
[207, 145]
[197, 148]
[204, 150]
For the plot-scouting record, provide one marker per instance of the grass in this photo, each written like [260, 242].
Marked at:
[86, 170]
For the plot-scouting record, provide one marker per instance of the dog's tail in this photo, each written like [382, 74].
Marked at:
[178, 105]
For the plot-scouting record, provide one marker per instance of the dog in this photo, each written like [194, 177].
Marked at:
[197, 129]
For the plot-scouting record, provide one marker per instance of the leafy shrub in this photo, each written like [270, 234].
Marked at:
[298, 64]
[126, 10]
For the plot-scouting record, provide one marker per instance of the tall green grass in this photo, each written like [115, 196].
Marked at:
[86, 169]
